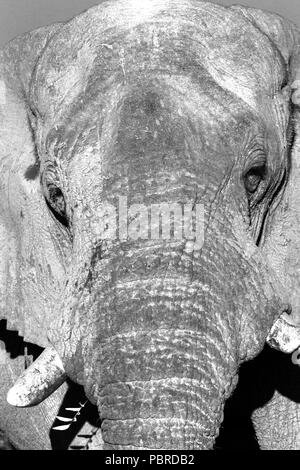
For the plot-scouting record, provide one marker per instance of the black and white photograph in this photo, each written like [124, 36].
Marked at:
[149, 228]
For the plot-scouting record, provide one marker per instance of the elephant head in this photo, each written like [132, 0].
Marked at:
[183, 103]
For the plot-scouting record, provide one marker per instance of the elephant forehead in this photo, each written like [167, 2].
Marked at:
[149, 117]
[112, 40]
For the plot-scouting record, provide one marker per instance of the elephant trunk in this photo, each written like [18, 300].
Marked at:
[162, 362]
[170, 395]
[173, 413]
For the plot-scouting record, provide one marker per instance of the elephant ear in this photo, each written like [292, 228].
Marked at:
[282, 239]
[21, 204]
[283, 33]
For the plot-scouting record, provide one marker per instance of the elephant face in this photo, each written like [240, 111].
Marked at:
[121, 111]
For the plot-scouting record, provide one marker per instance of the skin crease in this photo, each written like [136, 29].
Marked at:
[175, 102]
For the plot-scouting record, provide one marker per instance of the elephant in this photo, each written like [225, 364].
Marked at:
[181, 103]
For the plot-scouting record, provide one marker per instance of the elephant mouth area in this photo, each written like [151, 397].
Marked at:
[83, 430]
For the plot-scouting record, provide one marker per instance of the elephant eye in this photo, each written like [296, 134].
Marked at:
[56, 203]
[253, 178]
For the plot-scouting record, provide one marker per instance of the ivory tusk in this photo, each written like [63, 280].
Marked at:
[284, 336]
[37, 382]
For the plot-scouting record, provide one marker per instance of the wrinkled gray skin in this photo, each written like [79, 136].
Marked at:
[173, 101]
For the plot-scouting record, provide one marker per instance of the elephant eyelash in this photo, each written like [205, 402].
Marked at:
[255, 174]
[256, 180]
[258, 211]
[253, 178]
[56, 203]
